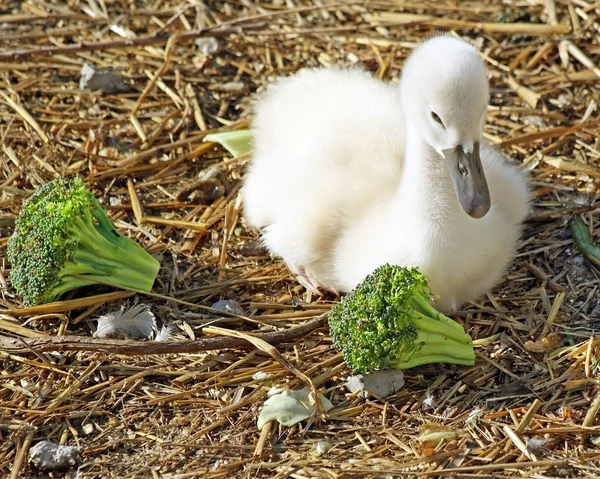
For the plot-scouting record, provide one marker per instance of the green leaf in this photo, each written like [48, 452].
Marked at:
[235, 142]
[290, 407]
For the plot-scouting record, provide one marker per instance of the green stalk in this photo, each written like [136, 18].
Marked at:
[432, 359]
[78, 267]
[425, 308]
[130, 274]
[443, 328]
[584, 241]
[451, 352]
[455, 350]
[111, 264]
[65, 285]
[108, 230]
[125, 249]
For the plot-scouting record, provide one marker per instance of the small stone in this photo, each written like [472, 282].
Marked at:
[382, 383]
[230, 306]
[228, 87]
[88, 428]
[253, 248]
[321, 448]
[104, 80]
[46, 455]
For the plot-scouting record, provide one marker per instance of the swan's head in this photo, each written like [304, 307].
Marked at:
[445, 94]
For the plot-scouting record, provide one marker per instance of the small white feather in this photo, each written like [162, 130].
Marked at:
[164, 332]
[135, 322]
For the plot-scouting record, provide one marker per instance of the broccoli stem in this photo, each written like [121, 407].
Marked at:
[107, 270]
[100, 260]
[66, 284]
[443, 326]
[419, 360]
[425, 307]
[105, 227]
[438, 349]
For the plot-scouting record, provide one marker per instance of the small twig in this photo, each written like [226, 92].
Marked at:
[528, 416]
[190, 225]
[578, 54]
[538, 273]
[265, 433]
[25, 115]
[132, 348]
[558, 301]
[517, 441]
[21, 457]
[492, 467]
[590, 416]
[69, 305]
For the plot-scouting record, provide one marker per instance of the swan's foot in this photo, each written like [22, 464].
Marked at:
[305, 279]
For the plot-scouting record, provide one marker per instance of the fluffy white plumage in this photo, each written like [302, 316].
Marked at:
[350, 173]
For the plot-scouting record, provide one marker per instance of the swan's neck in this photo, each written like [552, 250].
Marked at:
[426, 183]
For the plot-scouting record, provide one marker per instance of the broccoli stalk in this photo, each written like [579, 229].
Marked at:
[64, 240]
[387, 322]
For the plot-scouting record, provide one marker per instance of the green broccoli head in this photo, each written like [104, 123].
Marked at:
[387, 322]
[63, 240]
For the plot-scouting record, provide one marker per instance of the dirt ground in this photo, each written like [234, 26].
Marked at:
[181, 70]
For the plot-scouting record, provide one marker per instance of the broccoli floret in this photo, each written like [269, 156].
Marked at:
[63, 240]
[387, 322]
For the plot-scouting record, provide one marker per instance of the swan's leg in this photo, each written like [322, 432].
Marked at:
[305, 280]
[312, 280]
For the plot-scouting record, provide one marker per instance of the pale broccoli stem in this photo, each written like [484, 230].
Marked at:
[100, 260]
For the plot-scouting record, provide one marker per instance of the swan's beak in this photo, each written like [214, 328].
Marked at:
[469, 180]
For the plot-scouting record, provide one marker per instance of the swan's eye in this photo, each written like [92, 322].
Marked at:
[437, 119]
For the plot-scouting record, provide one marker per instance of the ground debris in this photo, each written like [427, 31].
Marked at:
[47, 456]
[185, 70]
[105, 80]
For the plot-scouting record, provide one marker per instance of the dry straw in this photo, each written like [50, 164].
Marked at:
[191, 412]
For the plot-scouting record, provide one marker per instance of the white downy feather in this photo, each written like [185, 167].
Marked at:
[135, 322]
[164, 332]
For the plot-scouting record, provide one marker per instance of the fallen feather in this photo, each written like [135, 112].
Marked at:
[428, 402]
[537, 445]
[135, 322]
[207, 45]
[164, 332]
[290, 407]
[474, 417]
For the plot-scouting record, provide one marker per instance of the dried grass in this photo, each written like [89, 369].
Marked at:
[522, 410]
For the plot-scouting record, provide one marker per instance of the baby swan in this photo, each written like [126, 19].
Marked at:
[349, 173]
